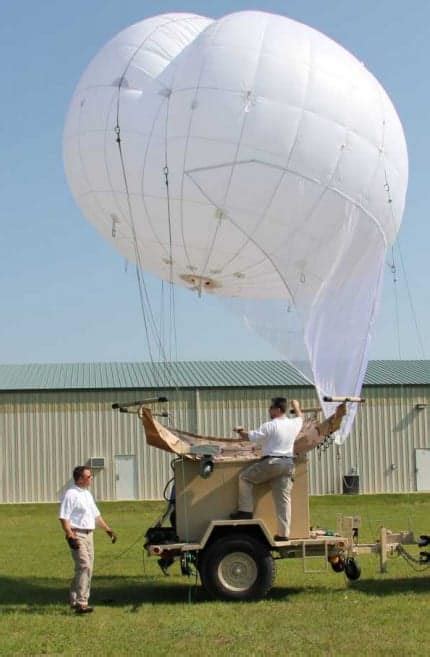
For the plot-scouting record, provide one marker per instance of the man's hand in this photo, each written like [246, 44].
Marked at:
[296, 408]
[73, 542]
[113, 536]
[243, 433]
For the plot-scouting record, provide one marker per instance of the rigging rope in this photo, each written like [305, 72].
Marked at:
[166, 353]
[145, 302]
[411, 303]
[143, 293]
[395, 280]
[146, 308]
[396, 302]
[172, 324]
[397, 320]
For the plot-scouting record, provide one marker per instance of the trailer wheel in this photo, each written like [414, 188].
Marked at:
[352, 569]
[237, 567]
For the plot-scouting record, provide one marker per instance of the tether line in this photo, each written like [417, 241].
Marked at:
[147, 313]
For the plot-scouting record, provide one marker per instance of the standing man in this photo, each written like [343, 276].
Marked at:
[79, 516]
[276, 465]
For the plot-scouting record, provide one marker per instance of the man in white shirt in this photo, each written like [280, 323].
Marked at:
[276, 465]
[79, 516]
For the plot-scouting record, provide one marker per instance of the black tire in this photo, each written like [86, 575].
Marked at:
[352, 569]
[237, 567]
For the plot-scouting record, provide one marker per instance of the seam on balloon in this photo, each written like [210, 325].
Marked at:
[187, 140]
[91, 192]
[216, 28]
[258, 247]
[233, 167]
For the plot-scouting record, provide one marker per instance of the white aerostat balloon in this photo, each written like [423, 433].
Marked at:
[254, 158]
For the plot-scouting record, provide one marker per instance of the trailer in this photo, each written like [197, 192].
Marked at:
[236, 559]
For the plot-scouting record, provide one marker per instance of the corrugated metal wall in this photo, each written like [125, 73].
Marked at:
[45, 434]
[387, 432]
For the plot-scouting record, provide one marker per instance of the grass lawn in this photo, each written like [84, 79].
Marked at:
[141, 612]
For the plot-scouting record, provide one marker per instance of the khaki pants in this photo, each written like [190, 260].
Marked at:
[279, 471]
[84, 562]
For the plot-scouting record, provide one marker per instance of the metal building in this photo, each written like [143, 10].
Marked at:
[53, 417]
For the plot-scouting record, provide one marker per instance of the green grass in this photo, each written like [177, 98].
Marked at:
[141, 612]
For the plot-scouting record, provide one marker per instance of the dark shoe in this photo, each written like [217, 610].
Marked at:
[79, 609]
[423, 540]
[241, 515]
[280, 539]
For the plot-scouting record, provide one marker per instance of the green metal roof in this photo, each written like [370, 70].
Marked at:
[398, 372]
[191, 374]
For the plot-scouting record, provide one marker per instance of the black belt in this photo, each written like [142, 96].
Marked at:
[276, 456]
[85, 531]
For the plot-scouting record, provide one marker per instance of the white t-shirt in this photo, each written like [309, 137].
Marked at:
[277, 436]
[79, 507]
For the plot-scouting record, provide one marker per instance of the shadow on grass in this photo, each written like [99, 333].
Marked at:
[385, 587]
[376, 587]
[36, 595]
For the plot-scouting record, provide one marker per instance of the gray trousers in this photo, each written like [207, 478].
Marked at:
[84, 563]
[279, 471]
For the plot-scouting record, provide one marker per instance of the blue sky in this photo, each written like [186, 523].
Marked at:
[65, 294]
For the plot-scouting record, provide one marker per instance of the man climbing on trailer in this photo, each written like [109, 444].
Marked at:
[276, 438]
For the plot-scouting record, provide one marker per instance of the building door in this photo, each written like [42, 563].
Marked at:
[422, 462]
[125, 475]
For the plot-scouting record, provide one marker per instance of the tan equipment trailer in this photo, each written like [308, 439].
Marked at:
[236, 558]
